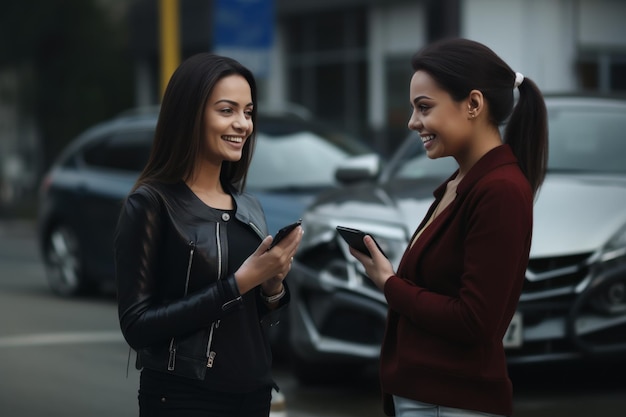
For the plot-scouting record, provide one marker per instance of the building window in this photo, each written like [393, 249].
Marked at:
[398, 77]
[327, 65]
[602, 71]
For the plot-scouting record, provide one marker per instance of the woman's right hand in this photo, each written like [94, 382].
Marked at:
[263, 265]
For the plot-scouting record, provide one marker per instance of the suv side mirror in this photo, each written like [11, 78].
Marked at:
[358, 168]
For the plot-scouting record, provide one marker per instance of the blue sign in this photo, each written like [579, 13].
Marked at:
[244, 30]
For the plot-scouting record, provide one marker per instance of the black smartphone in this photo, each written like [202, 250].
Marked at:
[354, 238]
[282, 233]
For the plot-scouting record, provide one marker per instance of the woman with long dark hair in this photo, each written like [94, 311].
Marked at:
[196, 277]
[459, 281]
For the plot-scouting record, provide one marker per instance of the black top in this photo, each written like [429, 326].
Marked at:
[243, 359]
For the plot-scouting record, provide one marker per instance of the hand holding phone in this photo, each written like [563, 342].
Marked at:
[282, 233]
[354, 238]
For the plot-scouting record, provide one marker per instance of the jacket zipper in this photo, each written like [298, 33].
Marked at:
[210, 353]
[257, 230]
[171, 363]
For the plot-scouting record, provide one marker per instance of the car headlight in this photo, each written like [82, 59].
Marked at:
[611, 294]
[316, 232]
[392, 238]
[615, 247]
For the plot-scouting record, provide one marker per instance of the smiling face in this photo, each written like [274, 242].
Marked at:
[444, 125]
[227, 120]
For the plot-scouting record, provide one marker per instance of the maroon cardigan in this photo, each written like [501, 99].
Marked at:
[456, 291]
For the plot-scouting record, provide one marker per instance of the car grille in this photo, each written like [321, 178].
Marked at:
[536, 311]
[548, 293]
[554, 276]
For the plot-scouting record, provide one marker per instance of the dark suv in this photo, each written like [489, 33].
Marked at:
[573, 303]
[81, 195]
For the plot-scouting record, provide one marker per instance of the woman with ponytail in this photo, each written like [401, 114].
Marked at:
[459, 281]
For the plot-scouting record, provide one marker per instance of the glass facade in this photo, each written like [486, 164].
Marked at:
[326, 61]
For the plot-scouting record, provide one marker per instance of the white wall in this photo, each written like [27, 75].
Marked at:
[395, 30]
[535, 37]
[404, 28]
[275, 93]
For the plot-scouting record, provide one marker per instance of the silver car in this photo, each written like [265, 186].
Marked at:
[573, 303]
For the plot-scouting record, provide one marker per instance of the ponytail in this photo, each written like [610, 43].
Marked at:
[527, 133]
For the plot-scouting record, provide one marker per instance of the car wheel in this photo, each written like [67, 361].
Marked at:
[63, 262]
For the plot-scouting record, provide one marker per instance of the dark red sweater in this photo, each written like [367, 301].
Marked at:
[456, 290]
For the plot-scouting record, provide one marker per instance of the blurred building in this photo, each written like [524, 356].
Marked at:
[348, 60]
[18, 145]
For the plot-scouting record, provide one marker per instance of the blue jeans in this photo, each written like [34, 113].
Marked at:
[411, 408]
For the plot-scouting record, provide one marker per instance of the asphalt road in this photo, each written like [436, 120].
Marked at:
[67, 358]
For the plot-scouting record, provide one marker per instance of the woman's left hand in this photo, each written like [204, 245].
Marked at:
[378, 268]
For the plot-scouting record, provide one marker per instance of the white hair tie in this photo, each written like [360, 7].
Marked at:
[519, 79]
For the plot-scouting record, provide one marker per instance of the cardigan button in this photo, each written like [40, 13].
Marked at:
[225, 217]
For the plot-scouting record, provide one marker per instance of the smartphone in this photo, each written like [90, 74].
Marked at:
[354, 238]
[282, 233]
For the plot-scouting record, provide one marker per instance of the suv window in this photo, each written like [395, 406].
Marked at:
[125, 151]
[587, 139]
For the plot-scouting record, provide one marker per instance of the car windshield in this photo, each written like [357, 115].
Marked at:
[587, 139]
[296, 160]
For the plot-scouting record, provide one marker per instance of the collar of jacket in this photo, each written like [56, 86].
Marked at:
[248, 208]
[498, 156]
[245, 212]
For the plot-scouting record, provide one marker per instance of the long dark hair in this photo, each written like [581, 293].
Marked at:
[461, 65]
[178, 138]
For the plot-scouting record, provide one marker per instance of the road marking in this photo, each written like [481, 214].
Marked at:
[64, 338]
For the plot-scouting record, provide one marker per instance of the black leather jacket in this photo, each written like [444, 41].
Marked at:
[171, 261]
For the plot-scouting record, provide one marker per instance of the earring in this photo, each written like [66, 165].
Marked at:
[472, 113]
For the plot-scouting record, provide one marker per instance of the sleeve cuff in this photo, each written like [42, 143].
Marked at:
[230, 293]
[399, 292]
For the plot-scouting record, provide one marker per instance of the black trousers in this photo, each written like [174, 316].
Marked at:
[165, 400]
